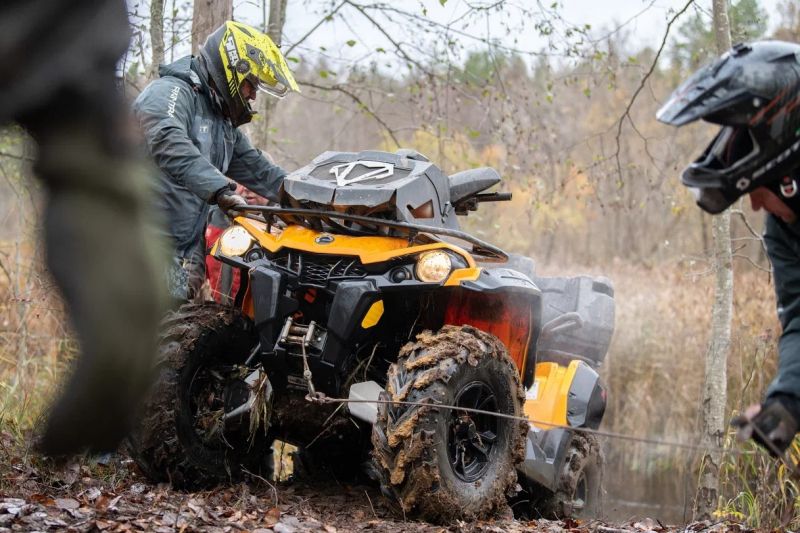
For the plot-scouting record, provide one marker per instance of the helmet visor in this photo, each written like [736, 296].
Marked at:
[278, 90]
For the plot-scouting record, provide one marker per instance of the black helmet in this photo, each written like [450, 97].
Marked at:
[235, 53]
[753, 92]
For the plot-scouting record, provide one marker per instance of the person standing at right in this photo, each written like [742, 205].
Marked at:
[753, 93]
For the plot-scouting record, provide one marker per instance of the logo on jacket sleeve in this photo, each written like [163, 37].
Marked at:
[173, 100]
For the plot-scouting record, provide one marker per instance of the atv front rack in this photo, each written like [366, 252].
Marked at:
[479, 247]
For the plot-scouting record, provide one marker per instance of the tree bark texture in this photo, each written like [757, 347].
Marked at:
[208, 15]
[266, 104]
[156, 37]
[715, 386]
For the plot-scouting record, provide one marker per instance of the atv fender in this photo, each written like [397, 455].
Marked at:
[571, 396]
[506, 304]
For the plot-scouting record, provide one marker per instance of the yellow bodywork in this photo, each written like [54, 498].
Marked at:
[368, 249]
[546, 400]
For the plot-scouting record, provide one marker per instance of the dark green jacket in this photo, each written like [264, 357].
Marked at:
[783, 248]
[196, 147]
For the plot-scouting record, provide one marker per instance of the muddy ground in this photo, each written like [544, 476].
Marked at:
[111, 495]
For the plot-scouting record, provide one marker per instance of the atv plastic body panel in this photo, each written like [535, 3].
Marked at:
[593, 300]
[412, 190]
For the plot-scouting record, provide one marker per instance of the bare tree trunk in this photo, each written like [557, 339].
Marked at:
[208, 15]
[266, 105]
[156, 37]
[715, 386]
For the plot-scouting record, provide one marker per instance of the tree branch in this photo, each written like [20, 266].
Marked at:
[627, 112]
[357, 100]
[397, 45]
[314, 28]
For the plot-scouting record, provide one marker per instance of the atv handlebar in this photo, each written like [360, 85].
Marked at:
[471, 203]
[494, 197]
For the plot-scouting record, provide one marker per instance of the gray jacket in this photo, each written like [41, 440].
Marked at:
[196, 147]
[783, 248]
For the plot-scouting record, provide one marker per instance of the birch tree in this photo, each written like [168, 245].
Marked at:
[266, 105]
[715, 385]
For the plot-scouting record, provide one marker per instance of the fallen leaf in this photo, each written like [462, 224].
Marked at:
[67, 503]
[101, 503]
[329, 529]
[92, 494]
[272, 517]
[137, 488]
[112, 505]
[42, 499]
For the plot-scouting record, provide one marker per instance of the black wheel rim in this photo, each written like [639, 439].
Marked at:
[207, 394]
[471, 437]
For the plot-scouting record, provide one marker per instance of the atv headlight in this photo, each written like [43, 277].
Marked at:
[433, 267]
[235, 241]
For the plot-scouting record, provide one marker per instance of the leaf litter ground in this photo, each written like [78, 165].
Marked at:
[111, 496]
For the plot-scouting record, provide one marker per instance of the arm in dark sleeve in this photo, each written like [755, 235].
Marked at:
[250, 168]
[165, 110]
[783, 248]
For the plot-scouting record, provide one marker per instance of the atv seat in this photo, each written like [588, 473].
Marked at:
[469, 182]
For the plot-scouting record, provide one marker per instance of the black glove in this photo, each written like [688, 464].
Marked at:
[778, 420]
[228, 200]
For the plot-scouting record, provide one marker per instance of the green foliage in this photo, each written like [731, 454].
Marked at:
[757, 489]
[695, 44]
[481, 68]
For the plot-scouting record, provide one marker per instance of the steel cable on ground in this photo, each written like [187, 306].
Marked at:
[791, 467]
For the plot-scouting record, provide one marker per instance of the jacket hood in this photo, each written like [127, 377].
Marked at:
[181, 69]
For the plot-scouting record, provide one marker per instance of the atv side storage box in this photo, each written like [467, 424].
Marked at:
[593, 300]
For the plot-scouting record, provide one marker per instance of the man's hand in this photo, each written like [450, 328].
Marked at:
[776, 420]
[228, 201]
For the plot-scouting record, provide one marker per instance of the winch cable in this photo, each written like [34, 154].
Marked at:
[314, 396]
[793, 469]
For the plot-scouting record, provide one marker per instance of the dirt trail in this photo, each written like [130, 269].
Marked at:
[113, 497]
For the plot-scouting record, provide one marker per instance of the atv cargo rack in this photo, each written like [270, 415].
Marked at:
[479, 247]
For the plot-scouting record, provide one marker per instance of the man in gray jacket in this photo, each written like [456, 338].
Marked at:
[190, 118]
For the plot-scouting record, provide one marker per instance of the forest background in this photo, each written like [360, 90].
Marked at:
[570, 125]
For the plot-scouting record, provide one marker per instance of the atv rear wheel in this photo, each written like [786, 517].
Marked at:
[447, 464]
[181, 437]
[580, 490]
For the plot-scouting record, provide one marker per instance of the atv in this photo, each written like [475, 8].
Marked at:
[370, 330]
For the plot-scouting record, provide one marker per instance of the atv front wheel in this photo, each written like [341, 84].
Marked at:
[447, 464]
[181, 437]
[580, 490]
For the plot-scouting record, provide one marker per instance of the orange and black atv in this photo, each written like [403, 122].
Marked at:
[360, 285]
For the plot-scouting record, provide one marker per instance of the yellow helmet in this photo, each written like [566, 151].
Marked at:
[235, 53]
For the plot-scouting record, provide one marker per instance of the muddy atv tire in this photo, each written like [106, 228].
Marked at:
[580, 492]
[445, 464]
[173, 442]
